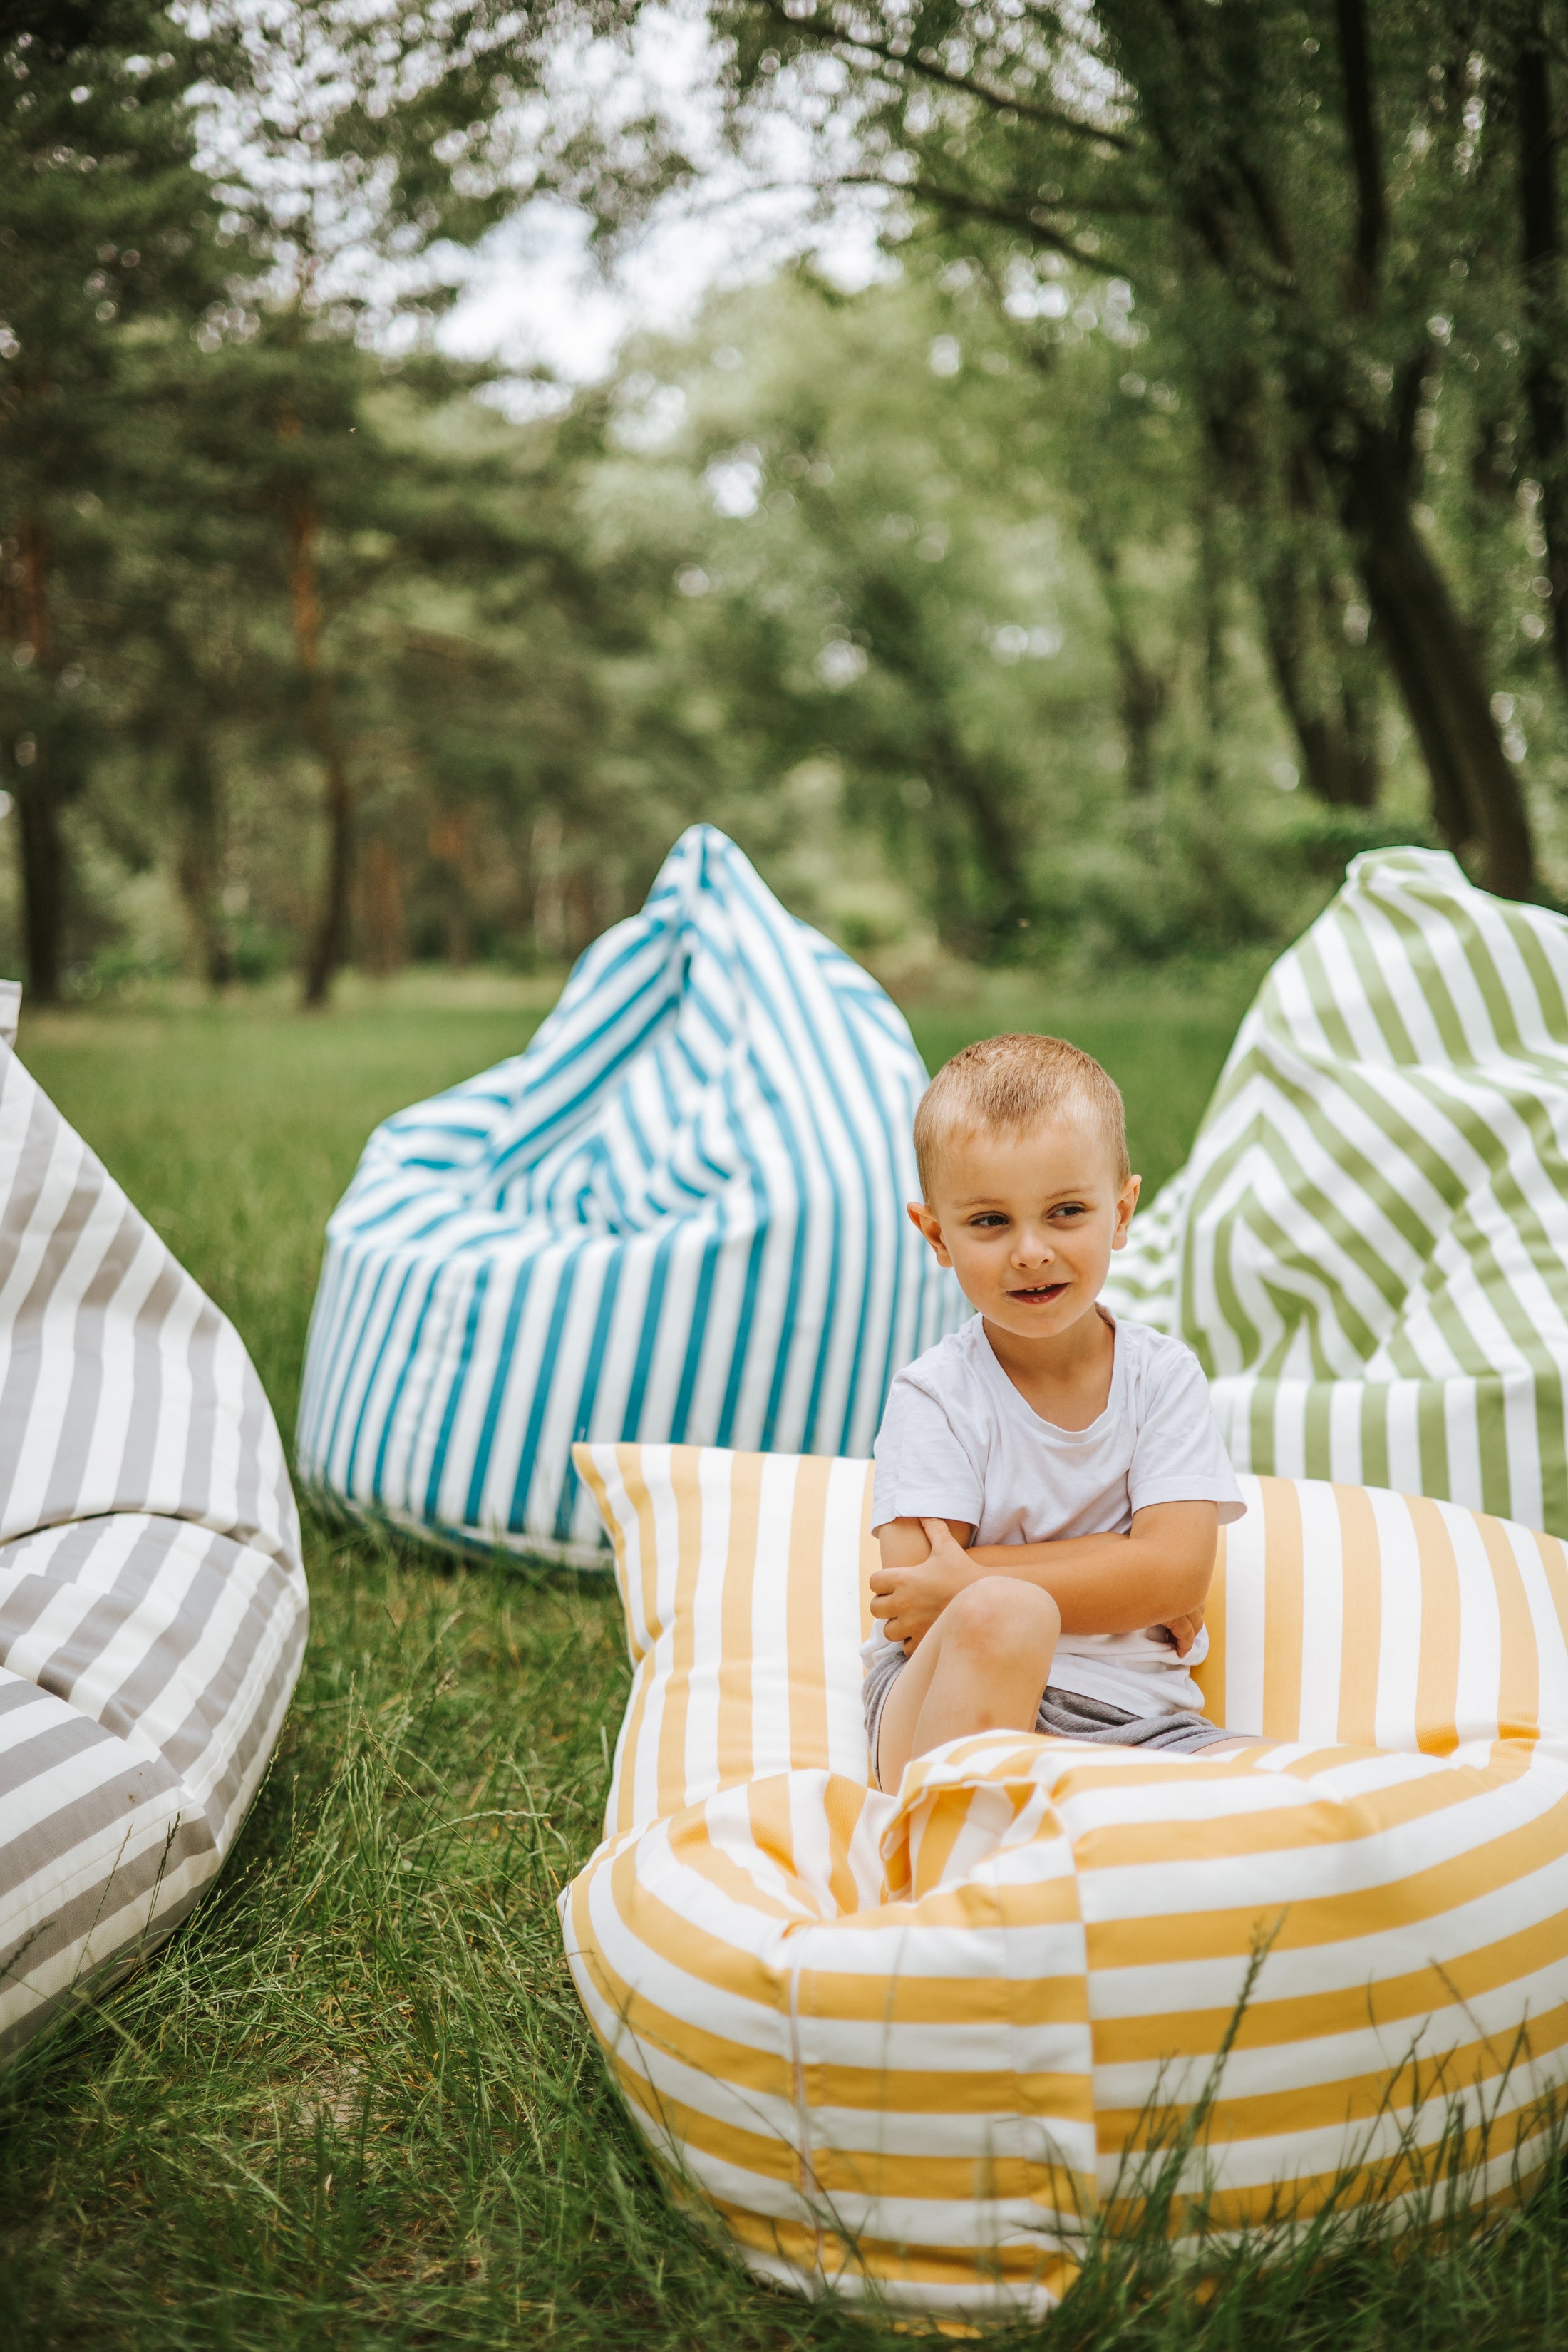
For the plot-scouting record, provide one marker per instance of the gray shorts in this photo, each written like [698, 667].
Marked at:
[1064, 1714]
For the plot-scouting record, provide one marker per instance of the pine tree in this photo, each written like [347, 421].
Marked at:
[106, 224]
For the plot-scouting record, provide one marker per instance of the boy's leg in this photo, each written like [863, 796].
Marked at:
[981, 1667]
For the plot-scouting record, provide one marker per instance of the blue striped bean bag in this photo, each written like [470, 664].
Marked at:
[677, 1216]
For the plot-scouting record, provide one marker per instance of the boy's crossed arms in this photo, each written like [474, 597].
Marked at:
[1158, 1573]
[980, 1626]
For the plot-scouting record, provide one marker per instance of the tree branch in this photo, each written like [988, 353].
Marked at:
[1360, 121]
[1409, 393]
[1537, 155]
[1217, 158]
[929, 68]
[956, 200]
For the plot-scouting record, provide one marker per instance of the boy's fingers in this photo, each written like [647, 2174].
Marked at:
[1187, 1631]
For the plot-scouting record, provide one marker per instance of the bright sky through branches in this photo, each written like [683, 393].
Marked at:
[537, 296]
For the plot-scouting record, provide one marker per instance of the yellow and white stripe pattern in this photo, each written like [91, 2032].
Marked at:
[907, 2044]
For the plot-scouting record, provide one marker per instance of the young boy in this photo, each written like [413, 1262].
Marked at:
[1049, 1482]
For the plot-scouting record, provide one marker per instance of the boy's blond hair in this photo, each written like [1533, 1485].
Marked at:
[1015, 1083]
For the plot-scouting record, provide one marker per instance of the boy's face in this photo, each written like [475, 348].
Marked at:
[1028, 1221]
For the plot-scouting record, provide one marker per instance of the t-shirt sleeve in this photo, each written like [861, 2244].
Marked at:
[924, 1468]
[1178, 1455]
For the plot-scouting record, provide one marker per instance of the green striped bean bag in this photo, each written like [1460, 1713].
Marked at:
[1368, 1248]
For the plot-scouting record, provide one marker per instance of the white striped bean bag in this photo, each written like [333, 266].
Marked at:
[905, 2044]
[152, 1603]
[1368, 1248]
[679, 1214]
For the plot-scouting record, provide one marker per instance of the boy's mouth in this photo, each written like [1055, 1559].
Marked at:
[1040, 1293]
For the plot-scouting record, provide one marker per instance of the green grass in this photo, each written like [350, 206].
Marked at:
[355, 2103]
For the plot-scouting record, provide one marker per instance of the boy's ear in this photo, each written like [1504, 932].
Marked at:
[1126, 1202]
[924, 1222]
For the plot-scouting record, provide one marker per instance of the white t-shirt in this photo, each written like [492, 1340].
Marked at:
[959, 1442]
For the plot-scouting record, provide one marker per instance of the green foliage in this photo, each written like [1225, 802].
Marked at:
[907, 597]
[1325, 210]
[998, 609]
[193, 532]
[944, 577]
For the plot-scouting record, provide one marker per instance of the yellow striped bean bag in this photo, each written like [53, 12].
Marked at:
[905, 2044]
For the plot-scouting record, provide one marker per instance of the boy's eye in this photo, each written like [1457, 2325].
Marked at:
[987, 1220]
[1071, 1209]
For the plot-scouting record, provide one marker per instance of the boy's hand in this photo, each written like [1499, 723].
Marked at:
[1184, 1631]
[908, 1601]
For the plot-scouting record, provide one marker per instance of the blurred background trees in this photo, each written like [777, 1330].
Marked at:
[1182, 507]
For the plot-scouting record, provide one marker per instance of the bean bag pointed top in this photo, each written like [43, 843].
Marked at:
[1368, 1248]
[152, 1603]
[678, 1215]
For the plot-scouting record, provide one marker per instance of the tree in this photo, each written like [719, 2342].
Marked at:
[367, 138]
[889, 608]
[346, 133]
[1544, 340]
[1286, 187]
[353, 141]
[1122, 446]
[105, 223]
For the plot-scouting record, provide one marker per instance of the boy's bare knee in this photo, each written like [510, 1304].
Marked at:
[1042, 1617]
[1001, 1613]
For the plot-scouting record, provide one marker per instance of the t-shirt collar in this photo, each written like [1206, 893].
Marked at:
[1019, 1404]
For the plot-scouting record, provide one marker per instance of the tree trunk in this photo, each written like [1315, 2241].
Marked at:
[330, 945]
[330, 936]
[383, 930]
[1476, 796]
[1332, 717]
[968, 919]
[1354, 697]
[1339, 761]
[1545, 321]
[1363, 767]
[1210, 583]
[201, 856]
[43, 863]
[1143, 688]
[451, 845]
[979, 896]
[41, 842]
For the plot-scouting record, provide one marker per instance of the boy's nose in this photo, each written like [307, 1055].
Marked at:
[1033, 1249]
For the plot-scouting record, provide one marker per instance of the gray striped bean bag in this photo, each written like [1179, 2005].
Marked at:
[679, 1215]
[1368, 1248]
[152, 1602]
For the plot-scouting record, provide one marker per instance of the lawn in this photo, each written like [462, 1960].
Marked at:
[354, 2103]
